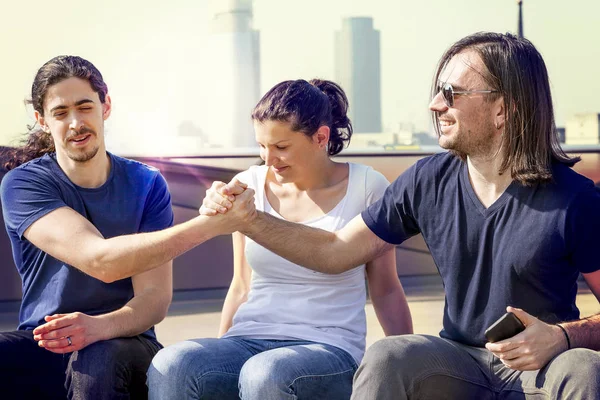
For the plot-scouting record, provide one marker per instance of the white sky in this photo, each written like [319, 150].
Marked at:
[151, 53]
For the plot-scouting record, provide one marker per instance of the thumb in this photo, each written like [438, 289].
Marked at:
[49, 318]
[526, 319]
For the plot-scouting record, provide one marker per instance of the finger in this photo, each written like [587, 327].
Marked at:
[207, 211]
[57, 334]
[235, 187]
[526, 319]
[247, 195]
[217, 198]
[217, 205]
[49, 318]
[503, 345]
[55, 343]
[52, 325]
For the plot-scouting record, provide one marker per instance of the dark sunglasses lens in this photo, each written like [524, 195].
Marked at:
[447, 93]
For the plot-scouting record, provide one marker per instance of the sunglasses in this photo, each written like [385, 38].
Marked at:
[448, 92]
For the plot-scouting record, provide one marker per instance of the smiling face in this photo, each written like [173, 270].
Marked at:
[74, 116]
[469, 126]
[288, 153]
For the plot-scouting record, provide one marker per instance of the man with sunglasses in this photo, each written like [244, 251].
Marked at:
[509, 224]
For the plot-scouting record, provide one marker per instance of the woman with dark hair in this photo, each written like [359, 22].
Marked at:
[288, 332]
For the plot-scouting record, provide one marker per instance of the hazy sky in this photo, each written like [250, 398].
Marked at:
[152, 54]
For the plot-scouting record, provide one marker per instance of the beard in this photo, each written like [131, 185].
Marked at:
[473, 143]
[82, 155]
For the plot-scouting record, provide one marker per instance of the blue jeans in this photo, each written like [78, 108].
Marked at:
[429, 367]
[111, 369]
[235, 367]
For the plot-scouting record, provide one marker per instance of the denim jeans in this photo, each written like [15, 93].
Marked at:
[428, 367]
[111, 369]
[236, 367]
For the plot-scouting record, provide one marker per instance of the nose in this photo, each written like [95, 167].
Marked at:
[438, 104]
[75, 123]
[268, 156]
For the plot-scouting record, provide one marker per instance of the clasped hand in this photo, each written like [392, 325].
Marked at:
[65, 333]
[234, 199]
[531, 349]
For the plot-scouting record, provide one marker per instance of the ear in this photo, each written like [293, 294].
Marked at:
[41, 121]
[321, 137]
[499, 110]
[106, 107]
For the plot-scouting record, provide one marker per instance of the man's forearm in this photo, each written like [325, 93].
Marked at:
[137, 316]
[312, 248]
[584, 332]
[124, 256]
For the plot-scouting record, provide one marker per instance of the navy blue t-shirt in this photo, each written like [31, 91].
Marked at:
[134, 199]
[526, 250]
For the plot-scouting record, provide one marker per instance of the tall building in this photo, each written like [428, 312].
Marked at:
[358, 71]
[233, 59]
[583, 129]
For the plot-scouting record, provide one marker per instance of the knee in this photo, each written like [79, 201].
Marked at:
[170, 364]
[580, 364]
[391, 355]
[259, 379]
[99, 357]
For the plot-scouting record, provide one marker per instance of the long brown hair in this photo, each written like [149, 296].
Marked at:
[37, 143]
[516, 70]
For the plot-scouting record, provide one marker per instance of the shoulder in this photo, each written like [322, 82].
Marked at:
[31, 173]
[366, 176]
[133, 166]
[430, 171]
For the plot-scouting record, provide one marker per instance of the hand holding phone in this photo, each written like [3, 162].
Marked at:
[505, 327]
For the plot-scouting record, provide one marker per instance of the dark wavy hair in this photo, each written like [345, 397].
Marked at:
[37, 143]
[517, 71]
[307, 106]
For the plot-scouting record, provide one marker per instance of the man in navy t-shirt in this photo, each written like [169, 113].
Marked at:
[88, 235]
[510, 227]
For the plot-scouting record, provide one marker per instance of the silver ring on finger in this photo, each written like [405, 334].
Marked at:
[69, 341]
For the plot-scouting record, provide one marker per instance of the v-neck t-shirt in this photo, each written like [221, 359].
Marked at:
[525, 250]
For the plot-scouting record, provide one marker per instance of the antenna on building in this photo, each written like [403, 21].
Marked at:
[520, 28]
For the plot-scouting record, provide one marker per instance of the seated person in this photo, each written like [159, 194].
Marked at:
[286, 331]
[93, 286]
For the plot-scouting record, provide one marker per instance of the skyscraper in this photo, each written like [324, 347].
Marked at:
[357, 70]
[233, 57]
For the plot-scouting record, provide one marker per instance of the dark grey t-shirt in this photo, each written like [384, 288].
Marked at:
[526, 250]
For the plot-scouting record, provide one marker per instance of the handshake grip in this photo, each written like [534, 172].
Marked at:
[234, 201]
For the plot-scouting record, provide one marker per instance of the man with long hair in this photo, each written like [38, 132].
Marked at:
[88, 235]
[510, 227]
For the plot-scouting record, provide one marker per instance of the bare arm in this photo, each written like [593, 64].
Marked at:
[124, 256]
[240, 284]
[152, 296]
[586, 332]
[317, 249]
[387, 295]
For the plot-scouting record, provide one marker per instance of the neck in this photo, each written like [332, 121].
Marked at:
[89, 174]
[321, 174]
[486, 179]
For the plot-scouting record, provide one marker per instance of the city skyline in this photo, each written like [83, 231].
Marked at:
[152, 56]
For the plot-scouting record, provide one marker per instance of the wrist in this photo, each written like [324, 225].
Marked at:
[564, 336]
[253, 224]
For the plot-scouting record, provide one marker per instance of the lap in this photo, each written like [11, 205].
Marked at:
[132, 353]
[29, 371]
[289, 360]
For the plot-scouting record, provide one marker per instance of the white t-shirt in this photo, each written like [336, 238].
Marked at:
[289, 302]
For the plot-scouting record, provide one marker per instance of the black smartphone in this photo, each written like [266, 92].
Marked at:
[507, 326]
